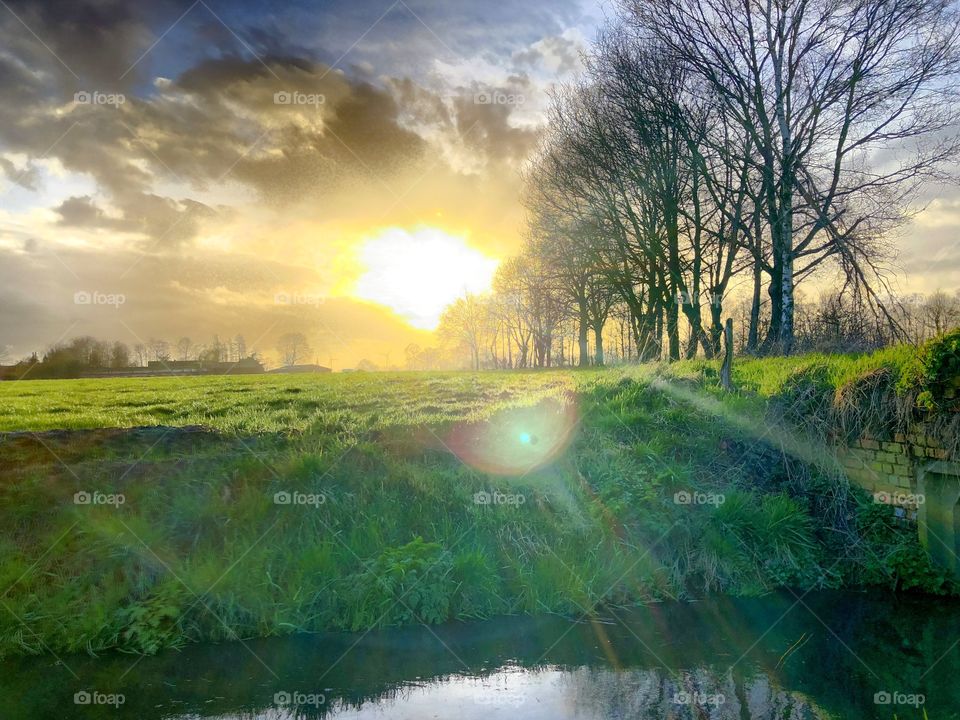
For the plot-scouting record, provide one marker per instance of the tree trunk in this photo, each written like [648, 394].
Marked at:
[753, 336]
[583, 328]
[673, 328]
[716, 325]
[598, 343]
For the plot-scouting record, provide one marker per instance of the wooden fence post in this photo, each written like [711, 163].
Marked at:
[725, 370]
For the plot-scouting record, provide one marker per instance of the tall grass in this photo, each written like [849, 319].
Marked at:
[201, 550]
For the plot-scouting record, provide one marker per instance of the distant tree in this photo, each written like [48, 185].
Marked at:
[463, 323]
[140, 354]
[216, 351]
[367, 366]
[119, 356]
[940, 312]
[292, 347]
[159, 349]
[184, 345]
[239, 347]
[412, 354]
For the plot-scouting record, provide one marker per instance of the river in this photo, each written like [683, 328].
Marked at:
[782, 656]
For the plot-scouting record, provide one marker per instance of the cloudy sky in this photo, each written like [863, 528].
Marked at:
[340, 168]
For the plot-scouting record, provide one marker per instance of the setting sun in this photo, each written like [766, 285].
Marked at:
[418, 272]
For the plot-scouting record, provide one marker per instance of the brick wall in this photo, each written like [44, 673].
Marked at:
[887, 467]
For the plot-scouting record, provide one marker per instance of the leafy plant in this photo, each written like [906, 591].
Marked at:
[935, 366]
[410, 583]
[153, 623]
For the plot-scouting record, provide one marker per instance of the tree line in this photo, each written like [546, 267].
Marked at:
[717, 158]
[72, 357]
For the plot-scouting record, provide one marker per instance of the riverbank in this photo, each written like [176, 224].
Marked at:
[261, 506]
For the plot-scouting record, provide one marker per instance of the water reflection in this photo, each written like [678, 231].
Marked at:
[760, 659]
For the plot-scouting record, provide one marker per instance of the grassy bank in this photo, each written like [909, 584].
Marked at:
[267, 505]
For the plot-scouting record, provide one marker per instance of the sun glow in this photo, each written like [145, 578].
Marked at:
[418, 272]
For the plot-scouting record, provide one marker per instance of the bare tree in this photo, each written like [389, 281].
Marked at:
[822, 87]
[292, 346]
[159, 349]
[940, 312]
[119, 356]
[463, 323]
[184, 345]
[240, 347]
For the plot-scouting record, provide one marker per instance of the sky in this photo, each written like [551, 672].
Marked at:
[343, 169]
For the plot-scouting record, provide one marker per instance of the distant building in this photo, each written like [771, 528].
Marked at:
[300, 369]
[246, 366]
[161, 368]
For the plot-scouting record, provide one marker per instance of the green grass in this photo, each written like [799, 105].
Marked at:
[251, 404]
[769, 377]
[199, 550]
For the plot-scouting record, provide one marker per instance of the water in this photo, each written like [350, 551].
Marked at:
[831, 655]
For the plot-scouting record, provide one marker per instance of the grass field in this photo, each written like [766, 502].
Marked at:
[224, 507]
[359, 402]
[252, 404]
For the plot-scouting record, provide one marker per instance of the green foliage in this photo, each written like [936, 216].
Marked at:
[935, 367]
[892, 554]
[411, 583]
[153, 624]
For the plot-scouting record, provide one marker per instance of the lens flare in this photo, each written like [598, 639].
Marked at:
[516, 440]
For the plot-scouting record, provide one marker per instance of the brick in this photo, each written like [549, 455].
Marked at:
[891, 447]
[884, 457]
[899, 437]
[869, 444]
[902, 460]
[937, 453]
[918, 451]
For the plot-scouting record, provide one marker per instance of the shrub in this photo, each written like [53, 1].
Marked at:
[935, 367]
